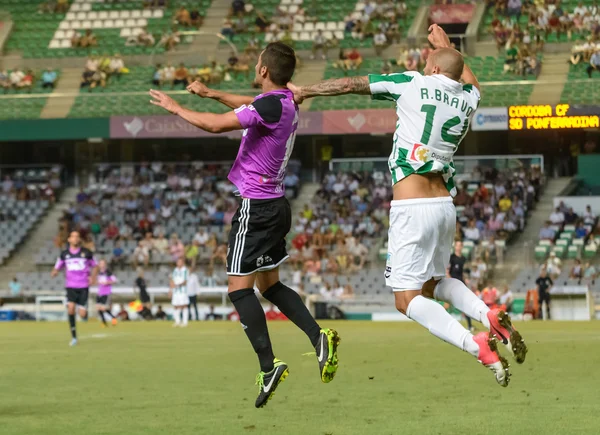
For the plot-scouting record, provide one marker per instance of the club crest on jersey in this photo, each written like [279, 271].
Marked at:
[419, 153]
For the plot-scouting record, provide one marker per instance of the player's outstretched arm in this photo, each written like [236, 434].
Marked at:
[211, 122]
[330, 88]
[232, 101]
[439, 39]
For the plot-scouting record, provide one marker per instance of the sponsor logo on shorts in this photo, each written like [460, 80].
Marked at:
[388, 271]
[259, 261]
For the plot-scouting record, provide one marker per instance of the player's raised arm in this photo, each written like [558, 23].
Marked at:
[232, 101]
[332, 87]
[211, 122]
[439, 39]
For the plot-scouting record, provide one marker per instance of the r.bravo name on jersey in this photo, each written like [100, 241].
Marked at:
[443, 97]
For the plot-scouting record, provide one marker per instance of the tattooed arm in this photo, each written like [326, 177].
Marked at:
[328, 88]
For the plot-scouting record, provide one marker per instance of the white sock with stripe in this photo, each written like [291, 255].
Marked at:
[186, 315]
[440, 323]
[457, 294]
[177, 316]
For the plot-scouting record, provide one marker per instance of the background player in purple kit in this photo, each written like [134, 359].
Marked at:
[105, 282]
[80, 270]
[263, 219]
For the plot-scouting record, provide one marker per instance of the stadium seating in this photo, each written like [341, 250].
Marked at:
[19, 215]
[139, 80]
[45, 35]
[579, 88]
[24, 108]
[330, 19]
[567, 5]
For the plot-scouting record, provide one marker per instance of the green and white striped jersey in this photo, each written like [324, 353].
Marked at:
[180, 276]
[434, 113]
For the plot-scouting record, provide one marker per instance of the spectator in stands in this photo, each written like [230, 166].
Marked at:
[261, 22]
[553, 265]
[291, 183]
[252, 46]
[196, 18]
[220, 254]
[157, 76]
[227, 28]
[201, 237]
[594, 63]
[88, 39]
[489, 295]
[170, 39]
[4, 81]
[588, 217]
[472, 232]
[181, 76]
[182, 17]
[580, 231]
[62, 6]
[48, 78]
[116, 66]
[168, 74]
[557, 217]
[353, 59]
[590, 273]
[112, 231]
[570, 216]
[547, 233]
[319, 44]
[238, 7]
[14, 287]
[145, 38]
[16, 77]
[141, 255]
[118, 256]
[576, 272]
[380, 42]
[176, 247]
[160, 244]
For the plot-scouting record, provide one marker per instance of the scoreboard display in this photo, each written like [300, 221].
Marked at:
[547, 117]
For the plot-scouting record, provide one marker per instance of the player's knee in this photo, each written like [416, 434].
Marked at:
[403, 299]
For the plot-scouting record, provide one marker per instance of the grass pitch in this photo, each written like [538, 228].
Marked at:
[394, 378]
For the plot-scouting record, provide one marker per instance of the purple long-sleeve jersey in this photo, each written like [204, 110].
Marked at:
[270, 125]
[78, 265]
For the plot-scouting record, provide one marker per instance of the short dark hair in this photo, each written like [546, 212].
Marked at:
[280, 60]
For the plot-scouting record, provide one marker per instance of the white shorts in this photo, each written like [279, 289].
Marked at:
[419, 241]
[180, 299]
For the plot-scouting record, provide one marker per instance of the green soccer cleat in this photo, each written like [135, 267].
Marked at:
[327, 354]
[268, 382]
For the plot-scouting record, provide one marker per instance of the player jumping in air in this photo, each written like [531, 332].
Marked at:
[178, 292]
[263, 219]
[105, 282]
[434, 110]
[80, 270]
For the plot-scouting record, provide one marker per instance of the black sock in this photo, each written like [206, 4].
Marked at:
[102, 317]
[252, 318]
[290, 303]
[72, 325]
[109, 313]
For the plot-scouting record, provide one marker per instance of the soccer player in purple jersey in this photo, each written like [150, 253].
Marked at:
[105, 281]
[80, 272]
[263, 219]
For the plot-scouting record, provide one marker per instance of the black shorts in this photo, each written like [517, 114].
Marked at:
[544, 297]
[79, 296]
[144, 297]
[257, 237]
[103, 300]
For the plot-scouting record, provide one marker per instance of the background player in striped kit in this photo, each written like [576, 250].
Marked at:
[257, 244]
[103, 300]
[179, 293]
[80, 272]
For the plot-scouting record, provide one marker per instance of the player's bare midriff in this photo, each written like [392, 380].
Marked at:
[420, 186]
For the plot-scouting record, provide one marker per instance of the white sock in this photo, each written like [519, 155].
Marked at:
[440, 323]
[457, 294]
[186, 316]
[177, 316]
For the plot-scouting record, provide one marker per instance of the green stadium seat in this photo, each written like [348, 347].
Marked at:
[573, 251]
[541, 252]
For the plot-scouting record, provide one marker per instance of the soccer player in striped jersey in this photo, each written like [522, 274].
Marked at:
[105, 281]
[434, 110]
[179, 293]
[257, 245]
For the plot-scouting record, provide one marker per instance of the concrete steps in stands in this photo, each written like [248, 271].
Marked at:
[68, 83]
[207, 43]
[23, 259]
[551, 81]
